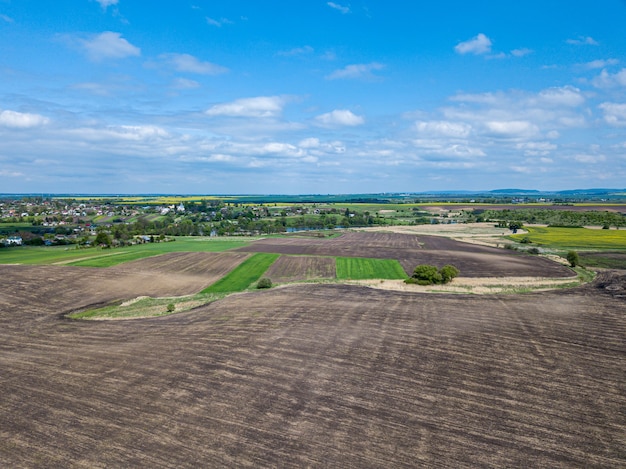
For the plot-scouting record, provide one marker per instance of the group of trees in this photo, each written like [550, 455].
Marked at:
[426, 274]
[551, 217]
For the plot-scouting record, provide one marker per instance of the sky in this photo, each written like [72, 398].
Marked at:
[311, 96]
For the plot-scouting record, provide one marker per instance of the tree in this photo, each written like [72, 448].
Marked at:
[264, 283]
[427, 274]
[448, 272]
[103, 239]
[573, 259]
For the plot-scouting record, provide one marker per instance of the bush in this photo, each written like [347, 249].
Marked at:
[448, 272]
[264, 283]
[533, 251]
[572, 258]
[171, 307]
[429, 275]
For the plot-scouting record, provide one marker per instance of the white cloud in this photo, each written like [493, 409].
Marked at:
[21, 120]
[185, 84]
[107, 3]
[479, 44]
[610, 80]
[296, 51]
[521, 52]
[109, 45]
[339, 117]
[11, 174]
[356, 71]
[562, 96]
[583, 40]
[444, 128]
[6, 18]
[218, 23]
[589, 159]
[310, 142]
[600, 63]
[338, 7]
[261, 106]
[536, 148]
[614, 113]
[511, 129]
[189, 63]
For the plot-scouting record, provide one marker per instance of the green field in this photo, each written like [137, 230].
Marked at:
[358, 268]
[97, 257]
[244, 275]
[574, 238]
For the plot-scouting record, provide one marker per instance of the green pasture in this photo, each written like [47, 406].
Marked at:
[574, 238]
[358, 268]
[244, 275]
[98, 257]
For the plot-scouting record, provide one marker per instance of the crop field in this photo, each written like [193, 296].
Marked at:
[575, 238]
[300, 268]
[240, 278]
[97, 257]
[357, 268]
[410, 250]
[309, 375]
[312, 375]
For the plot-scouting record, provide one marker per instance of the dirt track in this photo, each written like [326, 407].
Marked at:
[311, 375]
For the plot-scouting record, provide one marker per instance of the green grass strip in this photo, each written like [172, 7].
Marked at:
[97, 257]
[244, 275]
[359, 268]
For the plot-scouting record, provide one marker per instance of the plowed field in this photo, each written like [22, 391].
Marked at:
[410, 250]
[298, 268]
[310, 376]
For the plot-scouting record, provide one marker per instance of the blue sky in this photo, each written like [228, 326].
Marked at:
[311, 96]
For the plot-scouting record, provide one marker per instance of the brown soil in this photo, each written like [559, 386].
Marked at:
[309, 376]
[298, 268]
[410, 250]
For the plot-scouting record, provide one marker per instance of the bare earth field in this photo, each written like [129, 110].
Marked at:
[314, 375]
[298, 268]
[410, 250]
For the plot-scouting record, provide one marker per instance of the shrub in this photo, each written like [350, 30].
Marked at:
[533, 251]
[264, 283]
[448, 272]
[427, 273]
[572, 258]
[171, 307]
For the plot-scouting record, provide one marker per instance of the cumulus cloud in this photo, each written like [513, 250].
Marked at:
[356, 71]
[610, 80]
[537, 149]
[479, 44]
[190, 64]
[21, 120]
[582, 40]
[109, 45]
[339, 117]
[444, 128]
[562, 96]
[338, 7]
[614, 113]
[260, 106]
[511, 129]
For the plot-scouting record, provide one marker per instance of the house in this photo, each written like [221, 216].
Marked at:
[13, 241]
